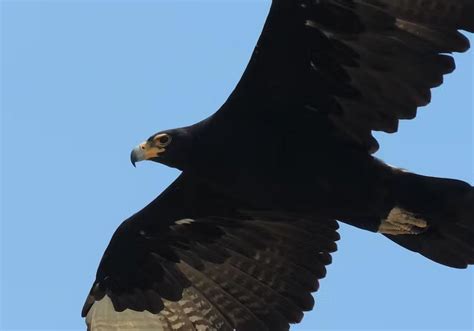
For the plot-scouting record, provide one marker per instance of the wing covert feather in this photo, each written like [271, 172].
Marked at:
[243, 270]
[362, 65]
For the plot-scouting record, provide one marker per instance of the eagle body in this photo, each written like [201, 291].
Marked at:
[241, 238]
[333, 177]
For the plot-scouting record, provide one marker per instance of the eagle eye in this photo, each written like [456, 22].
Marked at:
[163, 139]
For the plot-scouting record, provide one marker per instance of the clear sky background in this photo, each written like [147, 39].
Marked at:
[85, 81]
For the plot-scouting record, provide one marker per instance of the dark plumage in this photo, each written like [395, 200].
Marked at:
[241, 238]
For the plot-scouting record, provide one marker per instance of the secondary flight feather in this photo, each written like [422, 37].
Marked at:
[241, 238]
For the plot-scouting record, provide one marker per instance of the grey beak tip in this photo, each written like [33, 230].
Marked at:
[137, 154]
[133, 158]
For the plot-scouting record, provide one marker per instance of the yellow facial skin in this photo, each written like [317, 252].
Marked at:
[151, 148]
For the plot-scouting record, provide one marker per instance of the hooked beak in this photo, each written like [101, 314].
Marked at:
[144, 151]
[136, 155]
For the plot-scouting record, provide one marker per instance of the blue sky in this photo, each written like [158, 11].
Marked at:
[85, 81]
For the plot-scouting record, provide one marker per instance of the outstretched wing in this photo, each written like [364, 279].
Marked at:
[191, 261]
[362, 65]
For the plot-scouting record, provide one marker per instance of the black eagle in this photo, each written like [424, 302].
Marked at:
[239, 243]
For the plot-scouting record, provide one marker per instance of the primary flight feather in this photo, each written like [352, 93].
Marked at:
[241, 238]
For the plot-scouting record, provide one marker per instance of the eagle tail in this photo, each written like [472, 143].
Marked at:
[438, 214]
